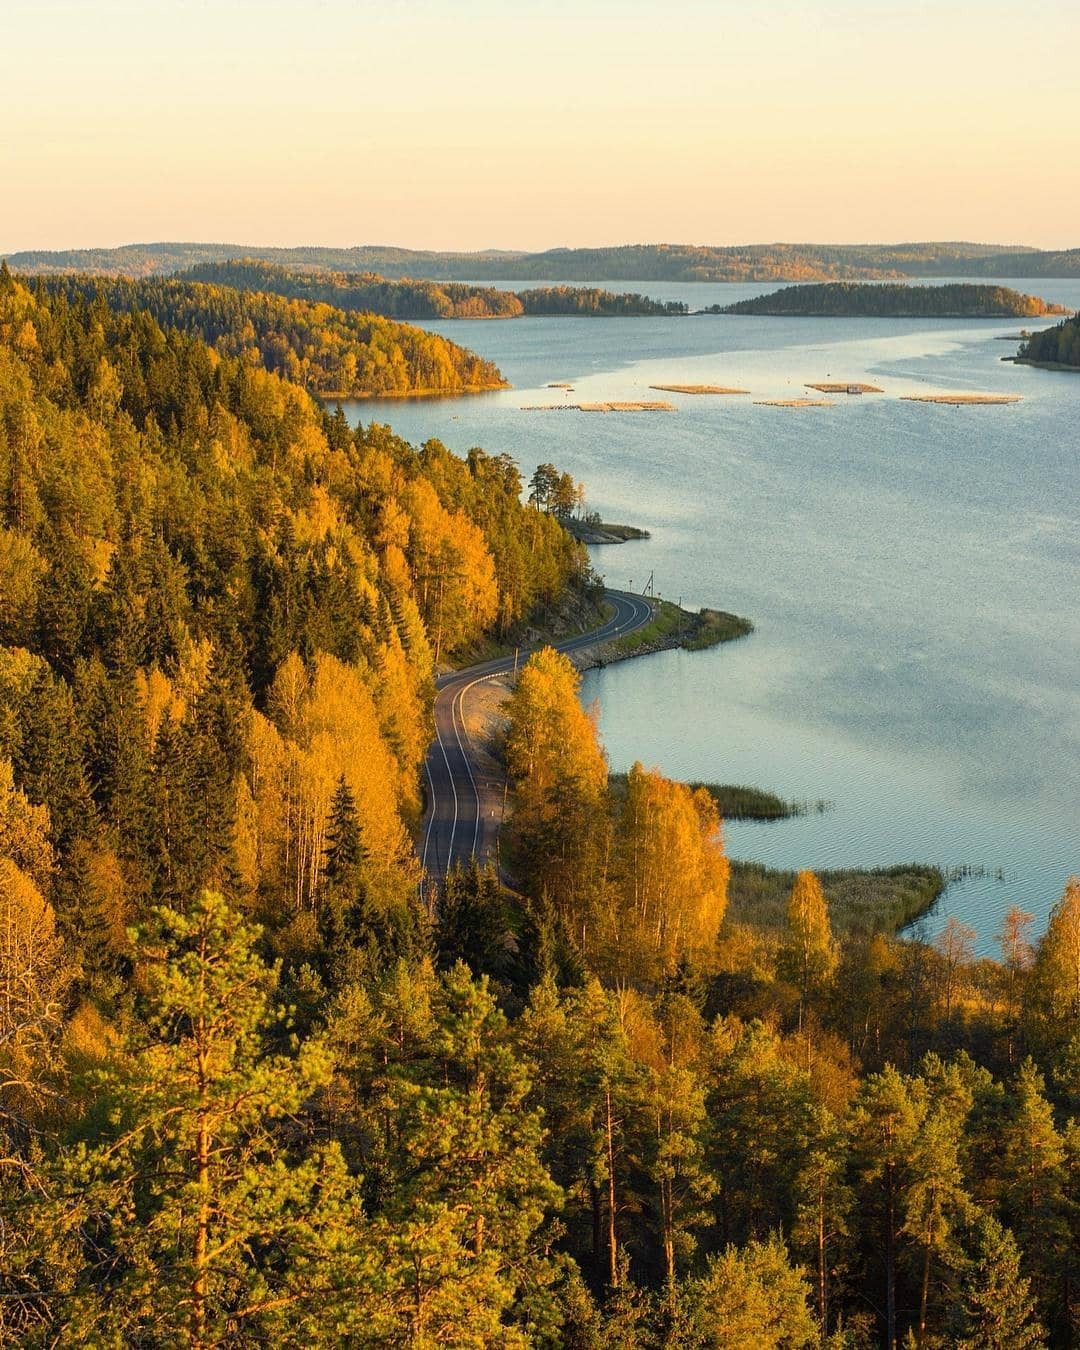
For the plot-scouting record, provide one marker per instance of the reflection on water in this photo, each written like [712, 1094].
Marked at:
[912, 570]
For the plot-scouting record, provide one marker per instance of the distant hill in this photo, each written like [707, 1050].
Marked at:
[331, 353]
[1058, 347]
[422, 299]
[630, 262]
[891, 301]
[364, 291]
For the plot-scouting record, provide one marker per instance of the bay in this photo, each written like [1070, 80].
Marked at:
[912, 570]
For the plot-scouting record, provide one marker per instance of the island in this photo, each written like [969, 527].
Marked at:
[416, 298]
[844, 299]
[1054, 348]
[698, 389]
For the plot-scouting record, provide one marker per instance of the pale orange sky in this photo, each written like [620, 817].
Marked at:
[469, 124]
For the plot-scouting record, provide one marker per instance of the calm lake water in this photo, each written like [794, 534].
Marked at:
[913, 572]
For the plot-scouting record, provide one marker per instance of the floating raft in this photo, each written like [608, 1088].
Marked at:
[657, 405]
[696, 389]
[793, 403]
[846, 388]
[961, 400]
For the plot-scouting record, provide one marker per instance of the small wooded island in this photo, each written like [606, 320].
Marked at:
[845, 299]
[1057, 348]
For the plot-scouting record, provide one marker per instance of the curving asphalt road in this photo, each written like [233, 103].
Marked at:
[464, 805]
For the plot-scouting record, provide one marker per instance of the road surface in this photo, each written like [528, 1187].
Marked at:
[464, 804]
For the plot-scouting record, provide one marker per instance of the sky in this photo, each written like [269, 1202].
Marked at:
[468, 124]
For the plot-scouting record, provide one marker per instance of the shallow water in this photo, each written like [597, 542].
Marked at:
[913, 572]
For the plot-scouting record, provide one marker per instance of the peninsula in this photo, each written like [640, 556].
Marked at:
[1055, 348]
[331, 352]
[844, 299]
[410, 298]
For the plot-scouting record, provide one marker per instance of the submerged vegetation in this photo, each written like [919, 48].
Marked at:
[842, 299]
[738, 802]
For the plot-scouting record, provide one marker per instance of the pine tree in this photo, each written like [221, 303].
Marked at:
[749, 1299]
[464, 1227]
[885, 1121]
[1033, 1180]
[190, 1211]
[935, 1198]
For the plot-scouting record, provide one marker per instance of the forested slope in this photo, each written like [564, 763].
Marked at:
[1058, 346]
[407, 299]
[330, 352]
[253, 1092]
[626, 262]
[403, 299]
[217, 600]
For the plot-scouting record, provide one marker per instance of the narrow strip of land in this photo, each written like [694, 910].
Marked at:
[464, 804]
[960, 400]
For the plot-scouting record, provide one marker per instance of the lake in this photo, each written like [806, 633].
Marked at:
[913, 572]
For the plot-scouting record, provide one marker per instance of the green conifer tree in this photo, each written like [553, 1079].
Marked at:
[192, 1211]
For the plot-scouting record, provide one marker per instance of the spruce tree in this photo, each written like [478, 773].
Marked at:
[995, 1309]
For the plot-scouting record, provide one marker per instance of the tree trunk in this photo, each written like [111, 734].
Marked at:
[202, 1234]
[925, 1291]
[890, 1260]
[613, 1246]
[597, 1229]
[822, 1309]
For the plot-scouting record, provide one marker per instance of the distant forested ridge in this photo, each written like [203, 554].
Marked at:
[365, 291]
[1058, 346]
[330, 352]
[839, 299]
[629, 262]
[411, 299]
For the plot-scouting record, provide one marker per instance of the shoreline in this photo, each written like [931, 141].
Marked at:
[818, 314]
[1042, 365]
[337, 397]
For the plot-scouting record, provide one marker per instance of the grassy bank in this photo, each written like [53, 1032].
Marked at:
[602, 532]
[877, 900]
[675, 627]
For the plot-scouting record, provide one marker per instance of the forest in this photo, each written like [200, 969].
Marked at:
[257, 1091]
[330, 352]
[365, 291]
[842, 299]
[1058, 346]
[627, 262]
[407, 299]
